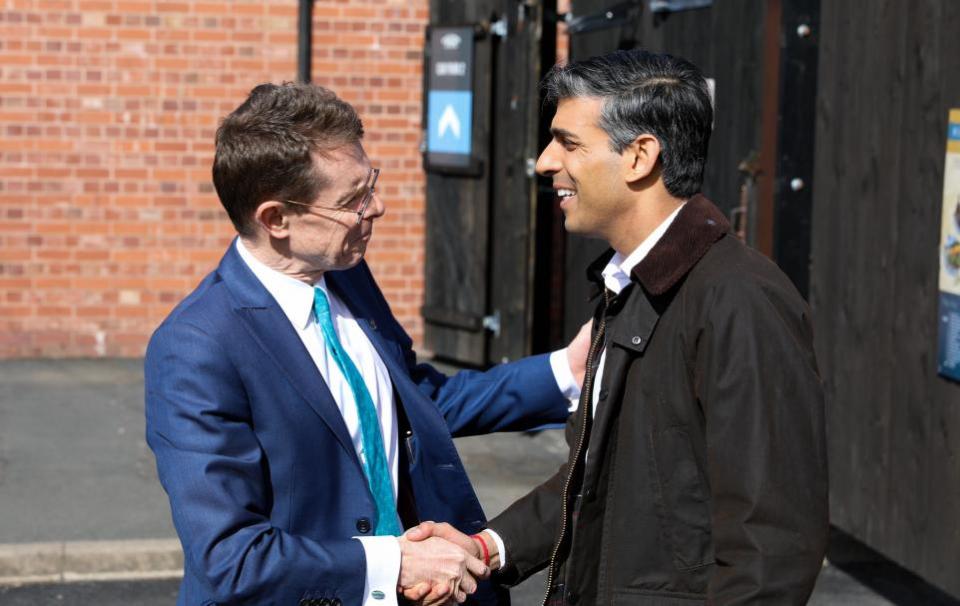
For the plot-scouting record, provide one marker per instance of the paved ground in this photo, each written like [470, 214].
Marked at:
[74, 468]
[73, 461]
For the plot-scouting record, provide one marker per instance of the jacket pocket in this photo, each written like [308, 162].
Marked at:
[685, 500]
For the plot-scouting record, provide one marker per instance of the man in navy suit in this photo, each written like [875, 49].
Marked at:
[294, 432]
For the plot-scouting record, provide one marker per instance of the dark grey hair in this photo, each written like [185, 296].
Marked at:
[646, 93]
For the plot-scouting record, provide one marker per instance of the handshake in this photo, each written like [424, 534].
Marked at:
[441, 565]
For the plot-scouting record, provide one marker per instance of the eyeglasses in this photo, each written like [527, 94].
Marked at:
[367, 197]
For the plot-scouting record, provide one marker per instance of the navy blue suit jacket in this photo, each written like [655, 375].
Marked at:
[265, 487]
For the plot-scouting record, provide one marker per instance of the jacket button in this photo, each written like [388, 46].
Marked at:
[363, 525]
[636, 340]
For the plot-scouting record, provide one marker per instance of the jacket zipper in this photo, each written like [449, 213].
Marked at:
[585, 405]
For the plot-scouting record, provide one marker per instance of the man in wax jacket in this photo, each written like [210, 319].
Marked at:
[697, 470]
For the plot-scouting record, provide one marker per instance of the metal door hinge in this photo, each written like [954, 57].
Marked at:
[673, 6]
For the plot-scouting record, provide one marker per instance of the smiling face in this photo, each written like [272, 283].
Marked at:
[322, 239]
[588, 176]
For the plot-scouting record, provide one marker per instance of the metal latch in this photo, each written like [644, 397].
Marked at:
[499, 27]
[492, 323]
[618, 14]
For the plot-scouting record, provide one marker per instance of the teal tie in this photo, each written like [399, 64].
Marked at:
[375, 465]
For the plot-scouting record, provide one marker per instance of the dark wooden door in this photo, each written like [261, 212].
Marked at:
[758, 145]
[479, 265]
[888, 78]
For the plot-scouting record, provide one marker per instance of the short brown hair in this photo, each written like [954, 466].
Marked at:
[265, 147]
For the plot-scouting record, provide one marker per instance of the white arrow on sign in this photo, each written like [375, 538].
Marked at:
[450, 120]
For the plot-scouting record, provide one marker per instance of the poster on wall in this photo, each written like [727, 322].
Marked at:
[948, 359]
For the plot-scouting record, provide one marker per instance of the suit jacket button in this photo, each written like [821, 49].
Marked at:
[363, 525]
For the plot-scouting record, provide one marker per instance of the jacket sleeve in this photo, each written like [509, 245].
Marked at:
[530, 526]
[518, 396]
[209, 461]
[758, 384]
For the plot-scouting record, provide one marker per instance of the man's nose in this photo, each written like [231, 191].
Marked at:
[548, 163]
[376, 208]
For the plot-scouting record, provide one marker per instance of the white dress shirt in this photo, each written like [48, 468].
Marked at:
[295, 298]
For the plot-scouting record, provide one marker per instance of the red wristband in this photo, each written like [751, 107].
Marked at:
[483, 546]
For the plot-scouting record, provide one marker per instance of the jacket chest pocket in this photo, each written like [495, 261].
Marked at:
[684, 498]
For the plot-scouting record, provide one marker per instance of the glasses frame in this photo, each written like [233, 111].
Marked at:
[368, 196]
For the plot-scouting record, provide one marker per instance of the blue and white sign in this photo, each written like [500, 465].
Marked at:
[449, 121]
[449, 97]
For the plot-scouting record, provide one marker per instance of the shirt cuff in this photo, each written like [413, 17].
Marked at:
[383, 570]
[501, 550]
[564, 376]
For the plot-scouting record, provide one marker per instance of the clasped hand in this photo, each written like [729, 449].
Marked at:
[439, 565]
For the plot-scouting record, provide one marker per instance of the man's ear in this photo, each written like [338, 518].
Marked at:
[272, 219]
[640, 158]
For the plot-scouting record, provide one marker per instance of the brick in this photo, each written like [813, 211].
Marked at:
[108, 189]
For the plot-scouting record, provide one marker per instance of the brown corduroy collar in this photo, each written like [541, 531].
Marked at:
[698, 225]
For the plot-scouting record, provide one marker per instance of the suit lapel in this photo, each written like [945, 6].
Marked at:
[423, 417]
[363, 312]
[271, 329]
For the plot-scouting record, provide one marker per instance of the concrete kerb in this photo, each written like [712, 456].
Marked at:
[78, 561]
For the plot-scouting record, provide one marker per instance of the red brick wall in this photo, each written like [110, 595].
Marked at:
[107, 114]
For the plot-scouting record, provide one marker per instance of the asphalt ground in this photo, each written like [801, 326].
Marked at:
[84, 520]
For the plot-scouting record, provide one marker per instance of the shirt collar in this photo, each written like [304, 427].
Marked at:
[294, 297]
[616, 275]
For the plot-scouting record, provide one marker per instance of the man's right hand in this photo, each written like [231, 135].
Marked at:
[435, 571]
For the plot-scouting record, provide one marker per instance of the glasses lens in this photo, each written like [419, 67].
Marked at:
[368, 197]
